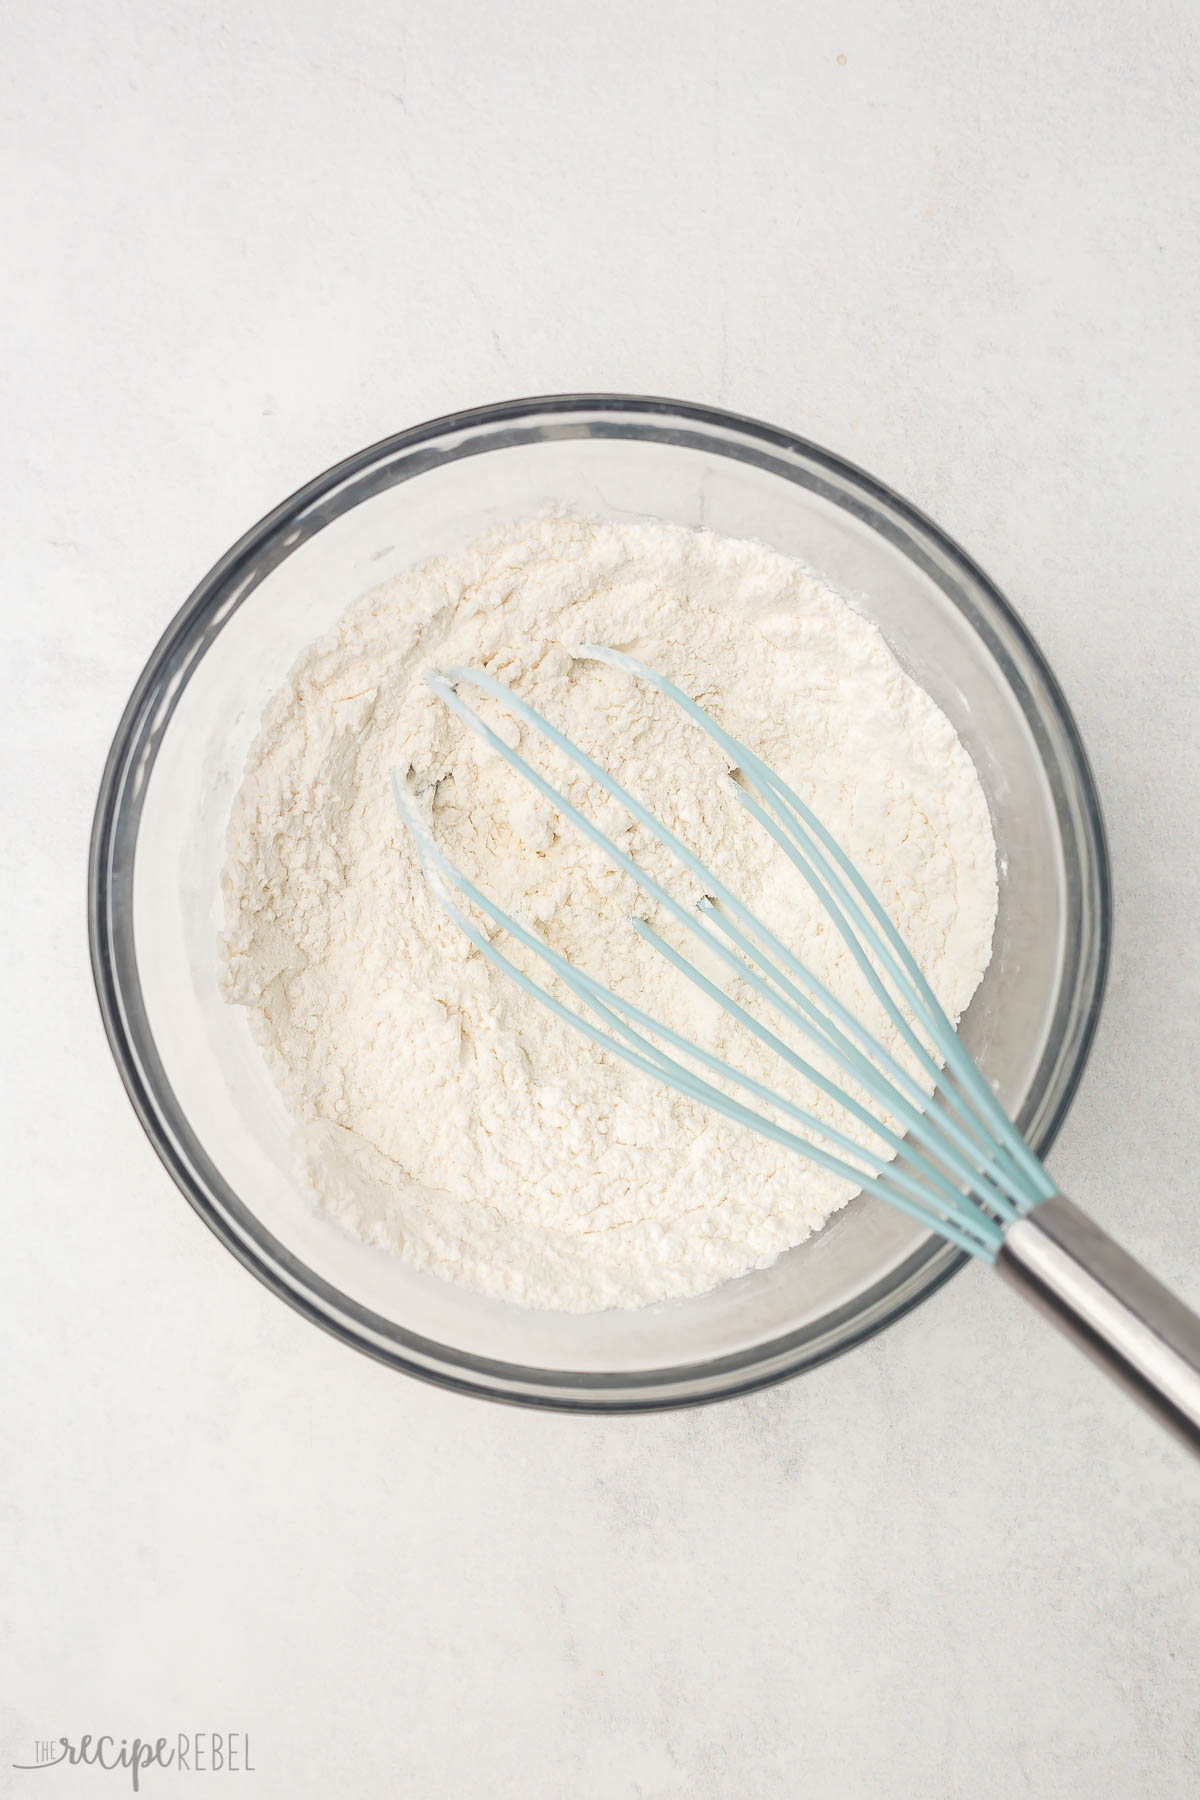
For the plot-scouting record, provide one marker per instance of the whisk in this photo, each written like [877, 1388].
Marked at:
[941, 1147]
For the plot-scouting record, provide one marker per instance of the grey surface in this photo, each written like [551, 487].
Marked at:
[242, 241]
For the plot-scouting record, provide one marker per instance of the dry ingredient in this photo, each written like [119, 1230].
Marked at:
[442, 1114]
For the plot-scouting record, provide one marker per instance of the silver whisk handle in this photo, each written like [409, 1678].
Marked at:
[1096, 1293]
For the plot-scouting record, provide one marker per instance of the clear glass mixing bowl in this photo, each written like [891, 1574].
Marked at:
[199, 1083]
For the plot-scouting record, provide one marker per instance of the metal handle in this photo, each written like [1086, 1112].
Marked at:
[1113, 1308]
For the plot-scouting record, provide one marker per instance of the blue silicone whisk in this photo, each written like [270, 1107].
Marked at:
[958, 1163]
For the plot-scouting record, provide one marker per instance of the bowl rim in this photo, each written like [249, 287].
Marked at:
[114, 963]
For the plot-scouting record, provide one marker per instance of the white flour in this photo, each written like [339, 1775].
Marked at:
[444, 1115]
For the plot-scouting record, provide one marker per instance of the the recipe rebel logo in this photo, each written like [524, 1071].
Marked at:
[191, 1753]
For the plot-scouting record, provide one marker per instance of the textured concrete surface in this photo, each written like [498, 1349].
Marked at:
[960, 247]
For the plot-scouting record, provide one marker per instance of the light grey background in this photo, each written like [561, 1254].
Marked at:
[957, 244]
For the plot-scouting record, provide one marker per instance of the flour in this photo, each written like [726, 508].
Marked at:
[444, 1115]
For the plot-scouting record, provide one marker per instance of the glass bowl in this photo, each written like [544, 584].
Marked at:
[199, 1083]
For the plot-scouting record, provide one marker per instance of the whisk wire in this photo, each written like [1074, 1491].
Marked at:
[983, 1161]
[912, 1116]
[916, 1110]
[850, 1027]
[998, 1159]
[977, 1236]
[900, 1146]
[446, 686]
[886, 940]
